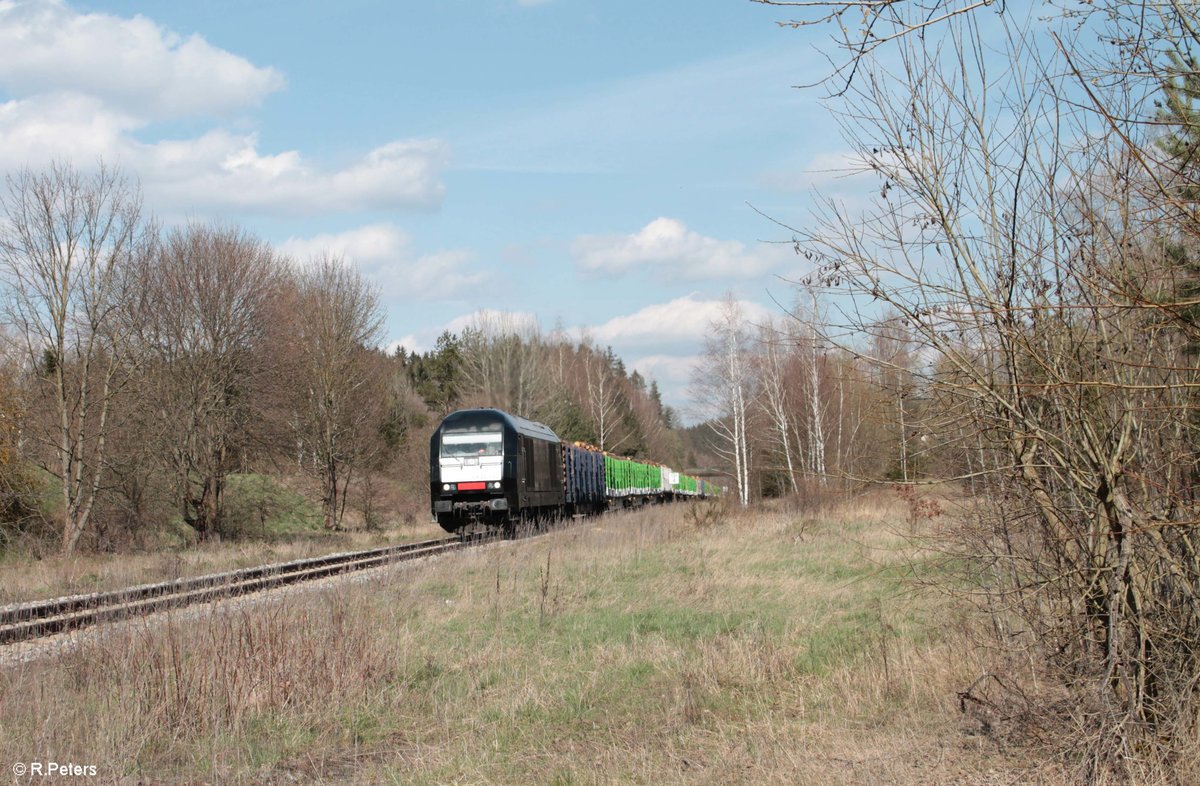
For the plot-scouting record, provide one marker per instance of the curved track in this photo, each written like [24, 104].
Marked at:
[24, 621]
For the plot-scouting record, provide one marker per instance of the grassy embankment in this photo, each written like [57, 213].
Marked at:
[770, 647]
[272, 522]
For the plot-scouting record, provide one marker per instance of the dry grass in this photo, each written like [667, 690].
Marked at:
[779, 646]
[25, 578]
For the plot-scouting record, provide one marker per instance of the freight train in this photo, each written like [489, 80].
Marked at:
[489, 469]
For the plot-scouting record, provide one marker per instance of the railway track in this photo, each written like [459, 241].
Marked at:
[25, 621]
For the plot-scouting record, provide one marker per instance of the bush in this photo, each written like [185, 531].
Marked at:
[258, 506]
[27, 507]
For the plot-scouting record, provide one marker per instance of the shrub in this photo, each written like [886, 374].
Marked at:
[258, 506]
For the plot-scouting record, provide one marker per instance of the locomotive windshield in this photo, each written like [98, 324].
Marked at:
[471, 443]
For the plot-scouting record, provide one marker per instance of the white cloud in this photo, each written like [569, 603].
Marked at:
[85, 85]
[134, 64]
[683, 320]
[70, 126]
[218, 170]
[665, 368]
[494, 322]
[221, 170]
[384, 252]
[409, 342]
[367, 245]
[662, 339]
[674, 250]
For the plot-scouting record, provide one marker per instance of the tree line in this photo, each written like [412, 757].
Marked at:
[144, 369]
[581, 390]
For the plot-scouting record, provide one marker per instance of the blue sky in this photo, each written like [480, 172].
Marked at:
[591, 163]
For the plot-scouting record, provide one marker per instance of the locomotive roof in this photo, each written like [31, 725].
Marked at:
[529, 428]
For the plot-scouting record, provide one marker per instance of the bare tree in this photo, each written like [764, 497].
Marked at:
[774, 353]
[892, 355]
[603, 396]
[723, 386]
[809, 344]
[65, 251]
[341, 385]
[855, 442]
[504, 365]
[206, 309]
[862, 26]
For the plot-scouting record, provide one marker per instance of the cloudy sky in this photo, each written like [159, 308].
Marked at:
[593, 163]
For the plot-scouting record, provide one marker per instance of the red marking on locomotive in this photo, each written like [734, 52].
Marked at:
[472, 486]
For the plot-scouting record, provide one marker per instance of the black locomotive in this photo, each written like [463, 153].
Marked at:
[490, 469]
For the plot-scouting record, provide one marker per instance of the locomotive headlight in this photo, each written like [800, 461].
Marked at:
[445, 487]
[496, 485]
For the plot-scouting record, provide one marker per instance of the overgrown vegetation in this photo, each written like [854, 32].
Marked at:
[1033, 243]
[630, 648]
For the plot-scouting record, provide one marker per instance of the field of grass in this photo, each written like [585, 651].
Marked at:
[775, 646]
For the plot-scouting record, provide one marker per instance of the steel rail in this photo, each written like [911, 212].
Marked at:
[24, 621]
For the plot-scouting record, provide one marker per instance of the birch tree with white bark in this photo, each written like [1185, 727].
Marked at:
[603, 396]
[775, 352]
[723, 388]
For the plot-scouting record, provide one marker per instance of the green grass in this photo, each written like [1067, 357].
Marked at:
[625, 650]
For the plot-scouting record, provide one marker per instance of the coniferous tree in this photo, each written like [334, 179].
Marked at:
[1182, 147]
